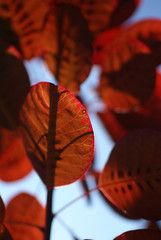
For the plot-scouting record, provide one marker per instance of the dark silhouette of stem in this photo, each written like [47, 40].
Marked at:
[49, 214]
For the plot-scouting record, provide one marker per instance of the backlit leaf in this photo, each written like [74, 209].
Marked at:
[27, 21]
[148, 116]
[102, 43]
[25, 217]
[69, 55]
[128, 76]
[4, 234]
[98, 13]
[57, 134]
[131, 177]
[149, 32]
[140, 235]
[14, 87]
[14, 163]
[58, 33]
[2, 210]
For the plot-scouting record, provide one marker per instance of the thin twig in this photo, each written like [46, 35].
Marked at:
[49, 216]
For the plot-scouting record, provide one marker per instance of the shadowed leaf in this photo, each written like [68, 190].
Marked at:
[14, 85]
[25, 217]
[148, 116]
[57, 134]
[140, 235]
[123, 11]
[128, 76]
[4, 234]
[2, 210]
[131, 177]
[14, 163]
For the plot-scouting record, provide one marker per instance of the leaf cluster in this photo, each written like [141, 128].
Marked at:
[46, 127]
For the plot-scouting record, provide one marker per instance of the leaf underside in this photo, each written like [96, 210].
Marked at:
[25, 217]
[14, 162]
[57, 134]
[131, 177]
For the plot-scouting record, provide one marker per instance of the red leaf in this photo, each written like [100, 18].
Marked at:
[69, 50]
[14, 163]
[14, 85]
[148, 32]
[101, 45]
[58, 33]
[123, 11]
[131, 177]
[122, 85]
[140, 235]
[24, 217]
[148, 116]
[57, 134]
[98, 13]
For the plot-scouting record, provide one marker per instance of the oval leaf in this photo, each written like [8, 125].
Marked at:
[25, 217]
[131, 177]
[2, 210]
[14, 162]
[69, 51]
[14, 87]
[140, 235]
[57, 134]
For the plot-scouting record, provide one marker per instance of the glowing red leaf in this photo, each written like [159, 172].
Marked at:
[14, 162]
[57, 134]
[25, 217]
[14, 85]
[140, 235]
[131, 177]
[69, 50]
[58, 33]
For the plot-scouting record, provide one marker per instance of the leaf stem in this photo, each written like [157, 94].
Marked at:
[49, 214]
